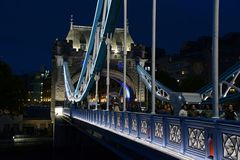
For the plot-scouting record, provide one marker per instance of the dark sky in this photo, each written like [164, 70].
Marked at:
[29, 27]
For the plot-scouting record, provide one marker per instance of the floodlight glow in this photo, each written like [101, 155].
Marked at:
[128, 92]
[59, 111]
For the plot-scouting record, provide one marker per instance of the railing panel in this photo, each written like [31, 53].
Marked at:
[94, 116]
[229, 140]
[197, 137]
[103, 123]
[145, 126]
[99, 117]
[112, 119]
[157, 130]
[174, 136]
[88, 115]
[108, 119]
[133, 124]
[126, 126]
[91, 115]
[119, 122]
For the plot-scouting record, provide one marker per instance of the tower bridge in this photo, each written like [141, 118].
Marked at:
[126, 133]
[73, 50]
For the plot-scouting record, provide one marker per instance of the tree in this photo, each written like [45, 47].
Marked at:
[12, 92]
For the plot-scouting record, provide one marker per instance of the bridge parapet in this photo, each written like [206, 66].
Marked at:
[198, 138]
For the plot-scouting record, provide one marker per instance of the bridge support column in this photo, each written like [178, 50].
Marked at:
[108, 42]
[88, 99]
[97, 77]
[215, 57]
[141, 96]
[153, 55]
[220, 90]
[125, 56]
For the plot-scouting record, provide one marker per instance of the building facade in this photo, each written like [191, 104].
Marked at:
[73, 50]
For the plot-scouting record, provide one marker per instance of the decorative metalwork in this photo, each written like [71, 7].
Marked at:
[228, 82]
[175, 134]
[103, 118]
[126, 122]
[108, 118]
[158, 130]
[112, 119]
[231, 146]
[196, 138]
[118, 121]
[162, 92]
[134, 125]
[100, 117]
[144, 126]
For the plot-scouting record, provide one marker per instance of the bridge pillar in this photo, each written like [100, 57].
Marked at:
[62, 50]
[141, 87]
[57, 86]
[97, 77]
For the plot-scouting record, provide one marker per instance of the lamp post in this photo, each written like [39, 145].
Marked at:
[125, 55]
[215, 57]
[153, 54]
[97, 77]
[108, 42]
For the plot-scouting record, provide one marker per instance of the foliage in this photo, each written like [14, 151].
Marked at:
[12, 92]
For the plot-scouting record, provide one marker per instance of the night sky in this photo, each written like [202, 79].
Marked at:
[29, 27]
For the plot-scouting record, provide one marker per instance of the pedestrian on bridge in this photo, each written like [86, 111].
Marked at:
[193, 111]
[207, 112]
[230, 114]
[183, 112]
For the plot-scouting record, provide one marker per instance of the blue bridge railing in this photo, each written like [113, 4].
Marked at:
[195, 137]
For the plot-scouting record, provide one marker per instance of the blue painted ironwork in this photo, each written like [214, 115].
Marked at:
[96, 66]
[158, 130]
[162, 92]
[126, 125]
[189, 136]
[228, 79]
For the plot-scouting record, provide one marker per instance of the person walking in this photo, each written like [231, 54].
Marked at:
[230, 114]
[183, 112]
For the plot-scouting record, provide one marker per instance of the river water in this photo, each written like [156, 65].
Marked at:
[87, 149]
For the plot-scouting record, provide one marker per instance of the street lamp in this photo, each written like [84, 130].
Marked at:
[153, 54]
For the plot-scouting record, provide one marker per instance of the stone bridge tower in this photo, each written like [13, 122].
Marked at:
[73, 50]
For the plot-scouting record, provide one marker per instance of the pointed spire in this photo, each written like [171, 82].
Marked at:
[71, 22]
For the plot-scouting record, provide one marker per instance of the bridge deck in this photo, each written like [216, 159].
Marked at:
[180, 137]
[167, 151]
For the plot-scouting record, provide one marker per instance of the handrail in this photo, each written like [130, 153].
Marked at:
[199, 138]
